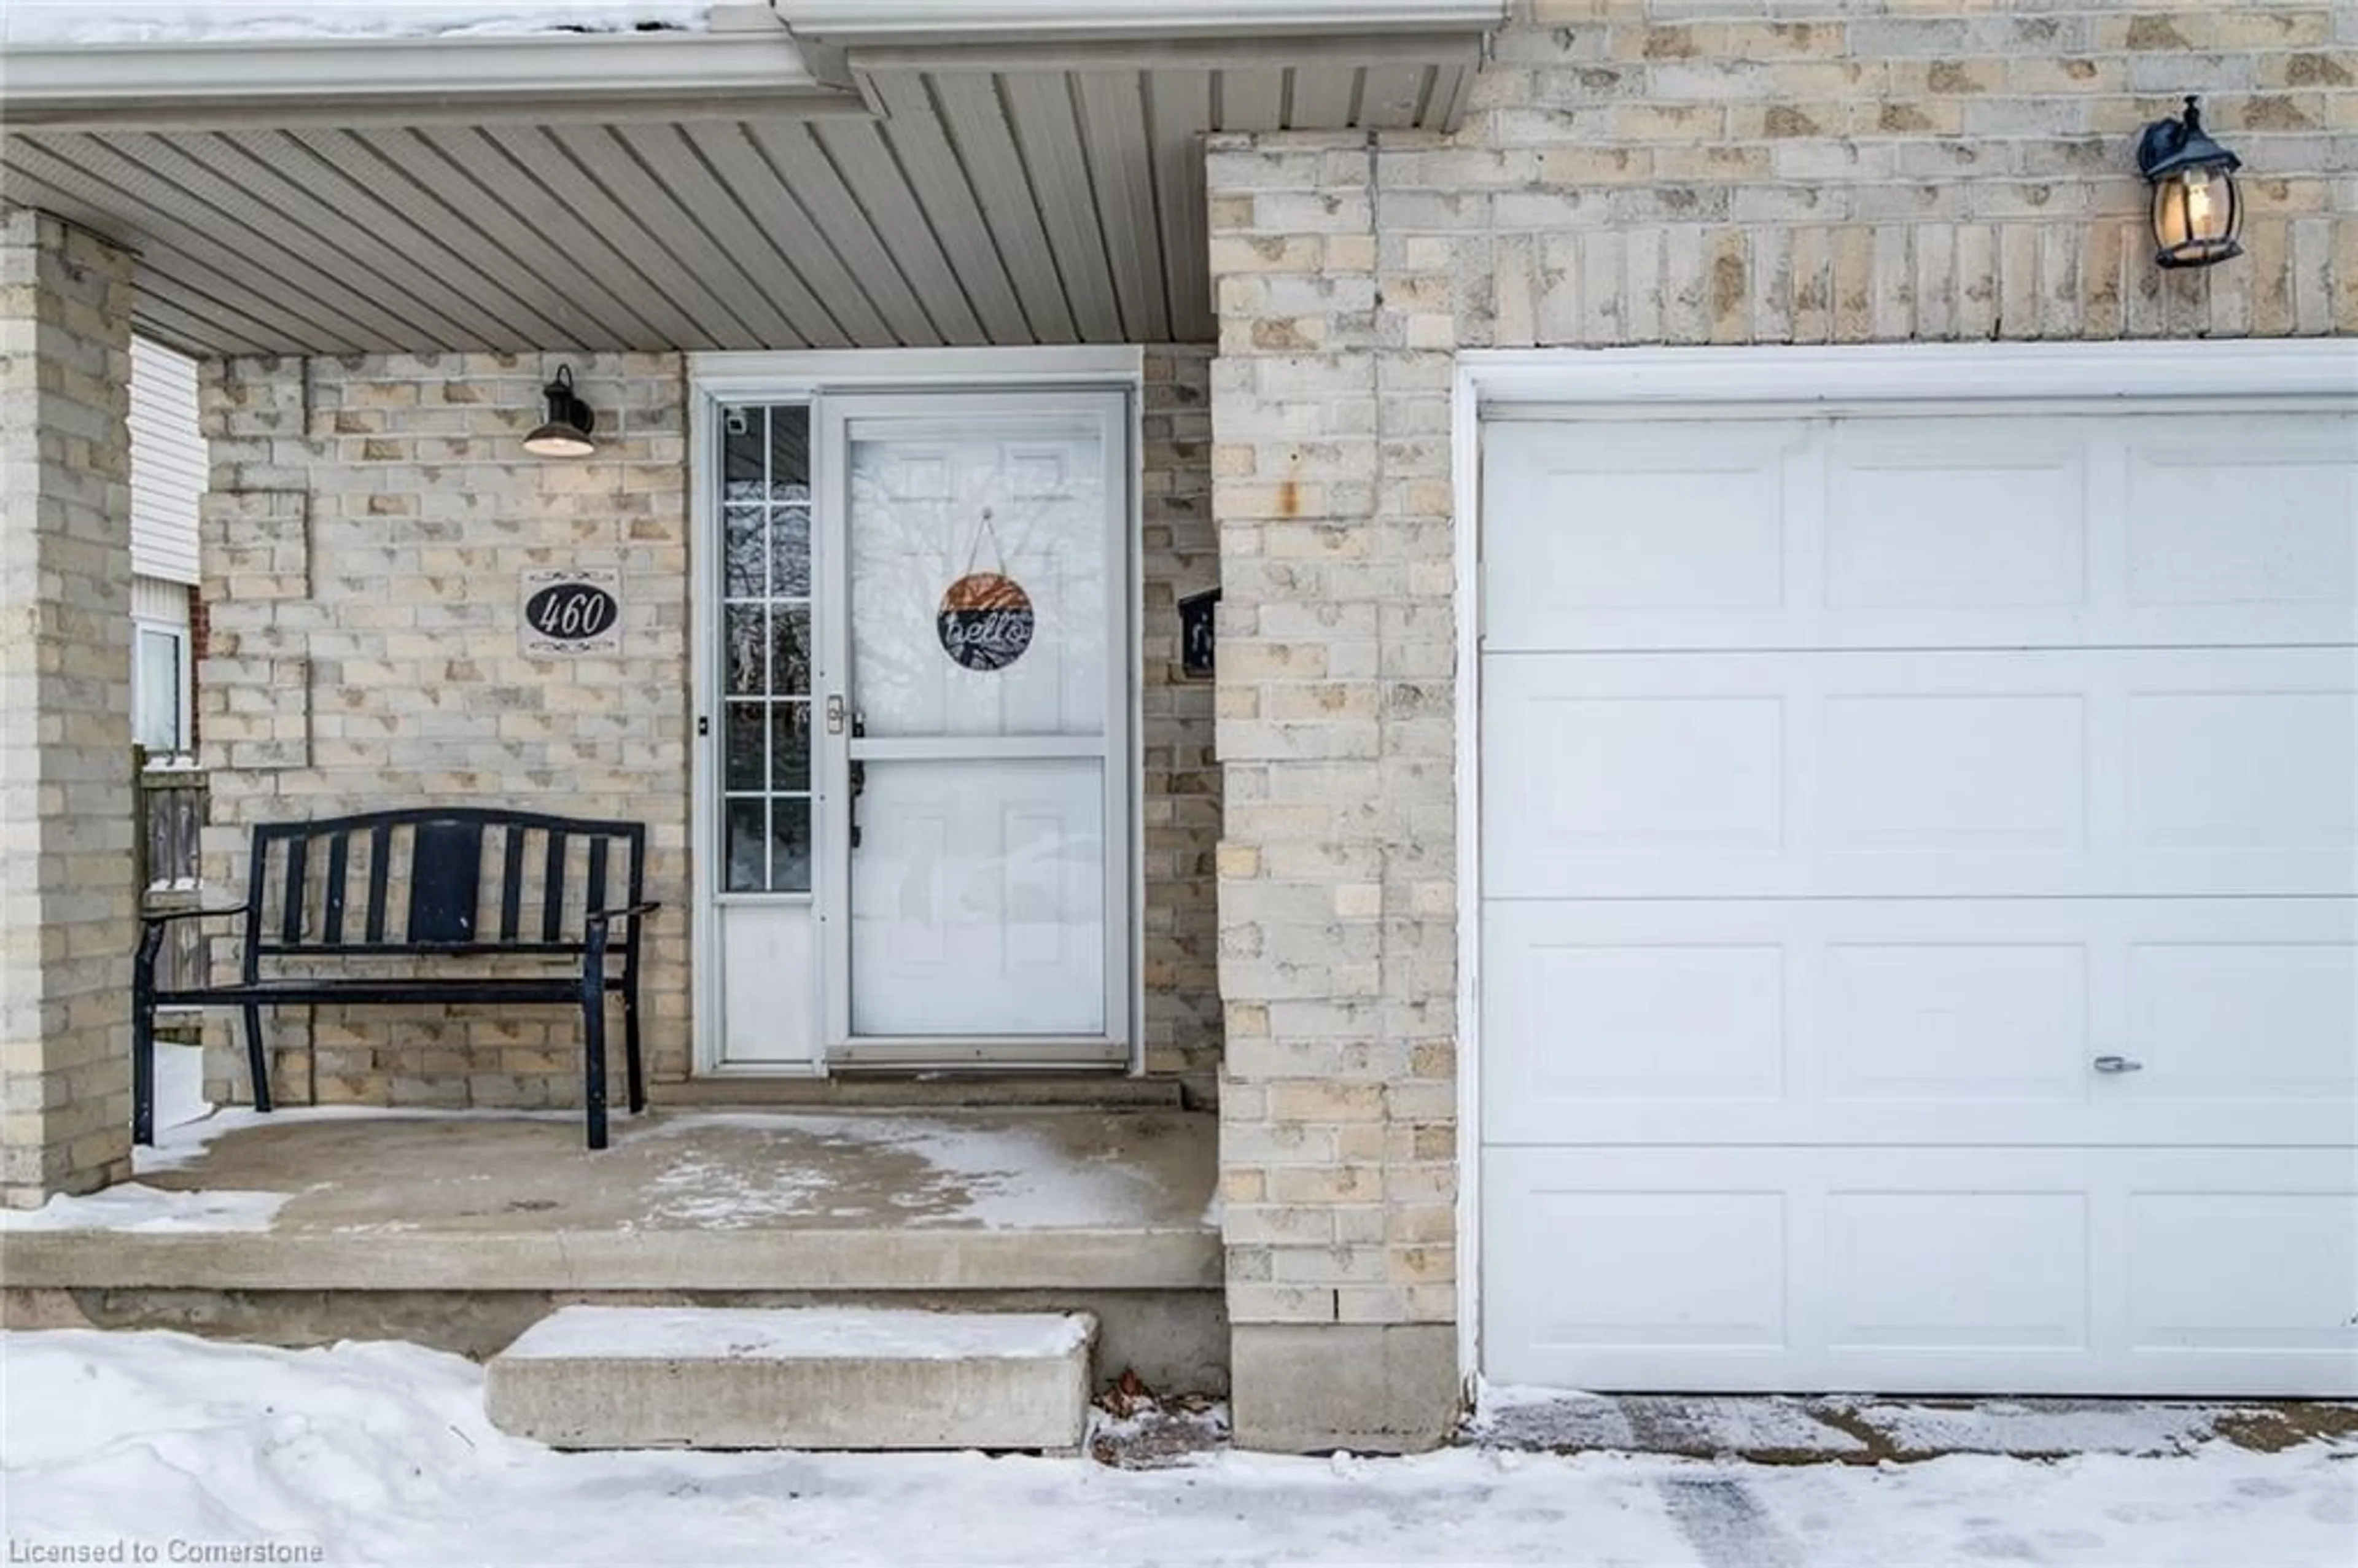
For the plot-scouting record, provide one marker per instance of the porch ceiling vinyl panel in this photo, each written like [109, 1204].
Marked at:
[888, 244]
[979, 198]
[817, 219]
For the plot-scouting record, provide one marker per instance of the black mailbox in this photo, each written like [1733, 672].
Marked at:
[1195, 633]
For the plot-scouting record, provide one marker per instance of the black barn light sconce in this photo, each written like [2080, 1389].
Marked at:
[565, 432]
[2196, 209]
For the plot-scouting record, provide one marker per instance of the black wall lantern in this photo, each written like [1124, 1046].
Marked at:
[566, 433]
[2196, 208]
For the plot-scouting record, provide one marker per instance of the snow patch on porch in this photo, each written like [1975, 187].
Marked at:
[181, 1144]
[133, 1207]
[194, 21]
[999, 1177]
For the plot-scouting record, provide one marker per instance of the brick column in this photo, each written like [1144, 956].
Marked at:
[67, 903]
[1336, 859]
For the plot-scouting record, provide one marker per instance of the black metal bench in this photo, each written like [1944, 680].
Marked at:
[427, 902]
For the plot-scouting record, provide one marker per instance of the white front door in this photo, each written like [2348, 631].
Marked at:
[1919, 947]
[974, 747]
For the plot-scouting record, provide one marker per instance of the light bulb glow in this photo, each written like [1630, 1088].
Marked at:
[2198, 202]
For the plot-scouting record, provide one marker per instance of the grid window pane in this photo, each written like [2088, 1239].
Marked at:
[741, 530]
[767, 650]
[747, 846]
[745, 765]
[790, 651]
[746, 667]
[790, 845]
[790, 747]
[790, 552]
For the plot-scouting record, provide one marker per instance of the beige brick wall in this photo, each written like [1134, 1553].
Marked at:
[1181, 796]
[1684, 171]
[66, 895]
[362, 539]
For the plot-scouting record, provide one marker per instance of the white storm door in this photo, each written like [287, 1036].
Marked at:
[976, 739]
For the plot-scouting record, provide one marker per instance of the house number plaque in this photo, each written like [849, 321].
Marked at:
[569, 612]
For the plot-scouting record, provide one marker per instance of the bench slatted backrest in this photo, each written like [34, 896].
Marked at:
[419, 878]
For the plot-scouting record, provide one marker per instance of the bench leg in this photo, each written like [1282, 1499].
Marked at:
[143, 1032]
[143, 1060]
[630, 1051]
[257, 1063]
[594, 1061]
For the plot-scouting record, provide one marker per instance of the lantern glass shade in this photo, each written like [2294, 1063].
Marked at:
[565, 432]
[2197, 214]
[2196, 208]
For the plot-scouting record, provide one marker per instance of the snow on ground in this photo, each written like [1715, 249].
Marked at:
[2001, 1426]
[186, 21]
[380, 1454]
[1511, 1417]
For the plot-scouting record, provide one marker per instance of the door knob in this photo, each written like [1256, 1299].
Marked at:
[2118, 1065]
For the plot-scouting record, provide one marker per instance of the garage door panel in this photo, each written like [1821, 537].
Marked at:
[2301, 1248]
[1950, 772]
[1909, 1271]
[2048, 531]
[1923, 514]
[1921, 1022]
[2257, 766]
[1939, 1023]
[1957, 1270]
[1716, 1281]
[1714, 495]
[1622, 774]
[2144, 773]
[2236, 514]
[2271, 1022]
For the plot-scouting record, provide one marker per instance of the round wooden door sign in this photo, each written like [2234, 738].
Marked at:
[985, 621]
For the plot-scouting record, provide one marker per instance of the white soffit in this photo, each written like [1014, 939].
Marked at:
[901, 185]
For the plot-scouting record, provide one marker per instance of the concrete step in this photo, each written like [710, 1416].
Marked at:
[597, 1377]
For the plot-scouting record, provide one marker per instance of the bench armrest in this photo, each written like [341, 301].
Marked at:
[621, 912]
[170, 914]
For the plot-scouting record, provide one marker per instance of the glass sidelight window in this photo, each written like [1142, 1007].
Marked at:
[766, 648]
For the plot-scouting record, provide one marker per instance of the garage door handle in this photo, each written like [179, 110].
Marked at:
[2119, 1064]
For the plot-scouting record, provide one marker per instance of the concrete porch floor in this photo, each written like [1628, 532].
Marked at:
[375, 1200]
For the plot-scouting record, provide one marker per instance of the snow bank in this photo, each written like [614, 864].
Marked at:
[192, 21]
[381, 1453]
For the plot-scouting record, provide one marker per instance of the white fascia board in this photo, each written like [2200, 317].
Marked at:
[875, 22]
[785, 372]
[2147, 371]
[259, 79]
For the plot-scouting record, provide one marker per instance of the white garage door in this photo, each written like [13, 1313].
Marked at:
[1857, 790]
